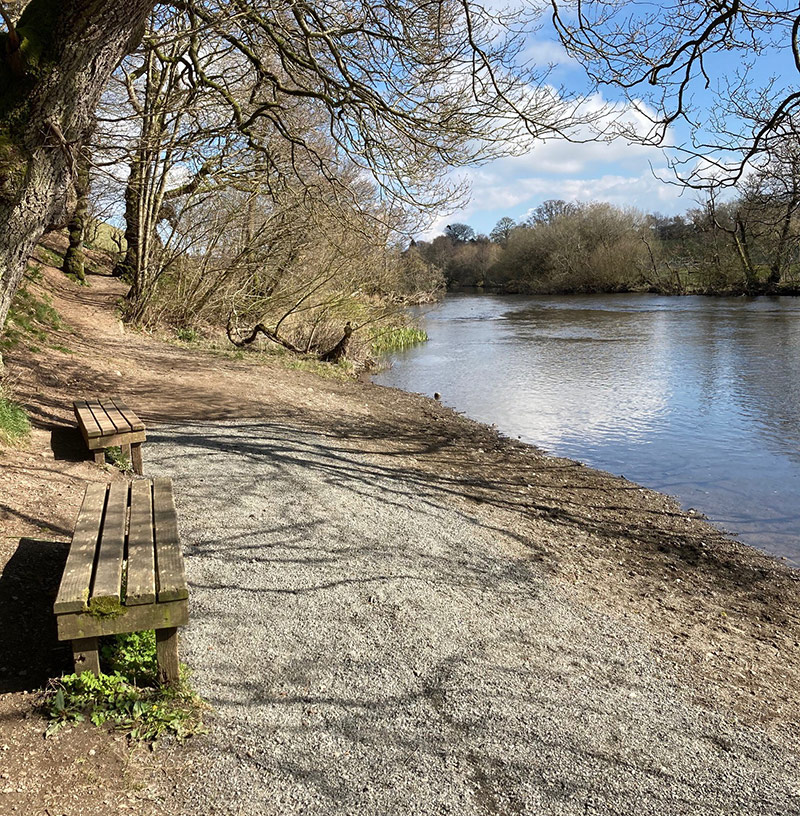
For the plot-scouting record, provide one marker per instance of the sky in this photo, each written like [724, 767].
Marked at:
[624, 174]
[620, 173]
[628, 175]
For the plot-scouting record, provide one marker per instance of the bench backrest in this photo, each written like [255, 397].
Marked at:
[125, 549]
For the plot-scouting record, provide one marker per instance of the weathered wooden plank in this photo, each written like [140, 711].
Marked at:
[130, 417]
[120, 423]
[141, 587]
[169, 667]
[169, 557]
[76, 625]
[101, 417]
[115, 439]
[86, 655]
[106, 588]
[73, 594]
[86, 421]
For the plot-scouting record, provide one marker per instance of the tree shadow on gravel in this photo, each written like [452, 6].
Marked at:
[554, 491]
[475, 726]
[30, 652]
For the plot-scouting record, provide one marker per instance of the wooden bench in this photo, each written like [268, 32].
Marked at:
[105, 422]
[124, 572]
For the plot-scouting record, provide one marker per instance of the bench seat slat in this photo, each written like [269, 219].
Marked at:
[86, 419]
[169, 557]
[73, 594]
[121, 425]
[131, 418]
[108, 575]
[141, 588]
[101, 417]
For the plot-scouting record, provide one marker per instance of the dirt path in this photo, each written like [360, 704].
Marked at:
[704, 628]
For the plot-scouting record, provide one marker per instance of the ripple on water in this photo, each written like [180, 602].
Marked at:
[699, 397]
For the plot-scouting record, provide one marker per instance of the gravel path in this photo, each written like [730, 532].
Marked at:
[371, 647]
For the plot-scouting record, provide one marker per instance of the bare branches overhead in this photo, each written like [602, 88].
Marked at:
[720, 81]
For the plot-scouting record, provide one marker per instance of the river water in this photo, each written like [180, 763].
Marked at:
[695, 397]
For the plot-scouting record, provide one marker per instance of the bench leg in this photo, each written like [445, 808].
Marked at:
[100, 457]
[126, 452]
[167, 656]
[87, 658]
[136, 458]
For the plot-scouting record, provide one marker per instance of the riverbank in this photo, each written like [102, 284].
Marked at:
[506, 532]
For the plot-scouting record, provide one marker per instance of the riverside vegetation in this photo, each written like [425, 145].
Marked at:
[746, 245]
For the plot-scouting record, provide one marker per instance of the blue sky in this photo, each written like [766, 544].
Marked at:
[624, 174]
[628, 175]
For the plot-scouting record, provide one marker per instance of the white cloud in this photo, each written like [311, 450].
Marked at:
[617, 171]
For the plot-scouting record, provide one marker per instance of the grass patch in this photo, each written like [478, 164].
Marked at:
[396, 338]
[286, 359]
[49, 256]
[343, 370]
[127, 698]
[31, 316]
[14, 423]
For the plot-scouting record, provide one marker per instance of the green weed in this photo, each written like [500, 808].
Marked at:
[119, 459]
[187, 335]
[126, 698]
[132, 655]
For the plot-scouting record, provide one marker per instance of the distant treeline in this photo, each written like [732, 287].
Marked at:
[749, 245]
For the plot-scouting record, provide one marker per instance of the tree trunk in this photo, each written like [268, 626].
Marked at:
[339, 351]
[74, 259]
[47, 112]
[128, 266]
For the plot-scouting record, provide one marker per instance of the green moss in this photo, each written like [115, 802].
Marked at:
[108, 608]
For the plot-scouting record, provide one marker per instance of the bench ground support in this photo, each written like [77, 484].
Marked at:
[105, 422]
[124, 573]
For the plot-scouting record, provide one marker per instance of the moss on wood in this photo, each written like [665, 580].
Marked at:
[106, 608]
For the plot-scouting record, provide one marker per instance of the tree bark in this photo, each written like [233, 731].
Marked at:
[70, 47]
[74, 258]
[128, 266]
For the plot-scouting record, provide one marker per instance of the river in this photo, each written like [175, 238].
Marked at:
[695, 397]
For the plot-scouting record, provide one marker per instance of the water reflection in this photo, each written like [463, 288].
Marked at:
[697, 397]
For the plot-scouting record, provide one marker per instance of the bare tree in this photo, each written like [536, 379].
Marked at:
[405, 88]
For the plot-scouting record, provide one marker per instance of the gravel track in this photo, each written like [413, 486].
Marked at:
[371, 646]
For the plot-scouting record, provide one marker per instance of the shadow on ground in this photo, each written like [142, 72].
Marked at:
[30, 653]
[67, 444]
